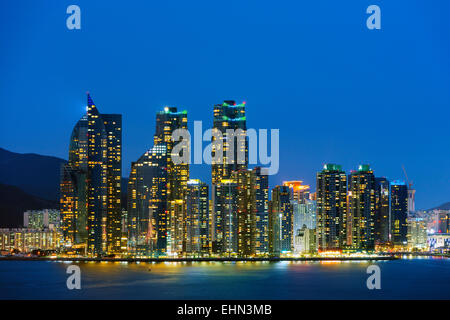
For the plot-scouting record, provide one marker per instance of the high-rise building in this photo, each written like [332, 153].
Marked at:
[304, 241]
[225, 219]
[361, 208]
[42, 219]
[167, 121]
[262, 212]
[197, 218]
[147, 203]
[230, 116]
[417, 233]
[90, 183]
[304, 214]
[382, 212]
[246, 211]
[157, 188]
[113, 134]
[331, 195]
[176, 227]
[280, 221]
[304, 209]
[73, 188]
[399, 212]
[299, 191]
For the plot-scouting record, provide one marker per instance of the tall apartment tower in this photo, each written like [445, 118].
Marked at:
[304, 209]
[73, 188]
[90, 183]
[280, 221]
[399, 212]
[331, 197]
[382, 212]
[225, 219]
[230, 116]
[197, 218]
[156, 201]
[147, 203]
[361, 208]
[262, 211]
[167, 121]
[246, 211]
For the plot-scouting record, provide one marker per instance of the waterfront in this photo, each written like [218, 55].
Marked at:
[418, 278]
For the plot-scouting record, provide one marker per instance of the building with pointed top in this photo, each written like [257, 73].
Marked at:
[90, 183]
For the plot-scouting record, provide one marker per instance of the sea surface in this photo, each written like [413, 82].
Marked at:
[418, 278]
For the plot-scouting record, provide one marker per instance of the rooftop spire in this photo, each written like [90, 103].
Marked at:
[90, 102]
[91, 108]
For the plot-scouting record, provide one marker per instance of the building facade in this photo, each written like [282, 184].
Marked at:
[281, 226]
[331, 196]
[262, 212]
[229, 116]
[382, 211]
[361, 209]
[197, 218]
[90, 183]
[147, 203]
[399, 213]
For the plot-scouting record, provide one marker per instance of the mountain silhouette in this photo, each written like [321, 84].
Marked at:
[444, 206]
[30, 181]
[14, 202]
[35, 174]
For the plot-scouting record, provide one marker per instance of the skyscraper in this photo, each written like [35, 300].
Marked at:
[262, 211]
[113, 132]
[73, 189]
[299, 191]
[280, 221]
[167, 121]
[230, 116]
[246, 211]
[225, 219]
[147, 203]
[331, 215]
[399, 212]
[304, 209]
[197, 218]
[382, 212]
[361, 208]
[91, 180]
[227, 116]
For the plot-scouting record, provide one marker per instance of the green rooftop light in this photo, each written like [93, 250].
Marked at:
[364, 167]
[332, 167]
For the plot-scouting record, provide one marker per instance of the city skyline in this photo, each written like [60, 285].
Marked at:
[219, 159]
[203, 175]
[169, 213]
[321, 61]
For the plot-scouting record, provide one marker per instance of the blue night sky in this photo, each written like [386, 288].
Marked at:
[337, 91]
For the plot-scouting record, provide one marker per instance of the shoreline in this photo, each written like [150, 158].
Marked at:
[131, 260]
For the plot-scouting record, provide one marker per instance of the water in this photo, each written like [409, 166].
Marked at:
[425, 278]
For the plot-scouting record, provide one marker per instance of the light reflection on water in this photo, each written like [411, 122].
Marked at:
[402, 279]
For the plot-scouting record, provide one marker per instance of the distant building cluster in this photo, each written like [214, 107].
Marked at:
[42, 219]
[170, 214]
[24, 240]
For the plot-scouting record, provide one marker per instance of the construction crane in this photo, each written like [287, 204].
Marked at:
[410, 184]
